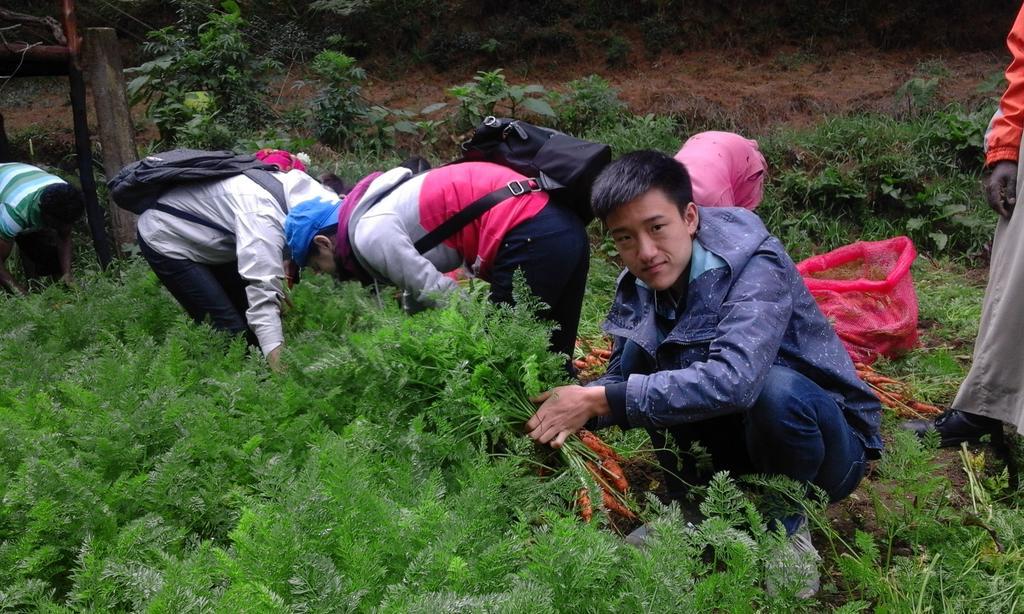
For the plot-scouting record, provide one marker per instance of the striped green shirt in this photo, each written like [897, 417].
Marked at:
[20, 188]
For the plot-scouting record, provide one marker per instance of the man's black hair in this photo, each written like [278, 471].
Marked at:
[60, 204]
[328, 231]
[335, 183]
[635, 174]
[340, 272]
[416, 164]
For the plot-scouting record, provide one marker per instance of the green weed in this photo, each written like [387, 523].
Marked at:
[872, 177]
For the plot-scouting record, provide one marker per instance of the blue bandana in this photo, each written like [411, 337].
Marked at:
[304, 221]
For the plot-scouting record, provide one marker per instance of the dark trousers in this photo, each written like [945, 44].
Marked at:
[553, 253]
[794, 429]
[206, 291]
[38, 253]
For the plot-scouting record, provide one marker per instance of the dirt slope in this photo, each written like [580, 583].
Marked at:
[749, 92]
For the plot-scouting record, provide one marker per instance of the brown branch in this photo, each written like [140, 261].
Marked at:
[49, 22]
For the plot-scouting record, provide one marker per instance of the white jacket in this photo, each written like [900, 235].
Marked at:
[257, 221]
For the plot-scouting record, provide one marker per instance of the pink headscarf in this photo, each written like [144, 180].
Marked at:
[283, 159]
[725, 169]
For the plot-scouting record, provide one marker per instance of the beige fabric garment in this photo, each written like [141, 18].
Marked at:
[994, 386]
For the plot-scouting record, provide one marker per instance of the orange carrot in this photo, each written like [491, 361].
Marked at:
[579, 364]
[879, 379]
[594, 442]
[618, 477]
[889, 399]
[583, 501]
[614, 505]
[924, 408]
[602, 353]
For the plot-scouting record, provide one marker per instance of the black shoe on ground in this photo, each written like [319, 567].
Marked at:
[955, 427]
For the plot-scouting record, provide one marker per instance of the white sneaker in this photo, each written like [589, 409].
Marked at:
[641, 534]
[795, 566]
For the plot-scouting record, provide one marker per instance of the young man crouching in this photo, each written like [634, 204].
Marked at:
[717, 341]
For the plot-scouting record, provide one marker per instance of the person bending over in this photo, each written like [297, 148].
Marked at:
[218, 247]
[37, 210]
[372, 236]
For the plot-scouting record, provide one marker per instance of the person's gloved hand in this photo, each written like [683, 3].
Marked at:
[1001, 188]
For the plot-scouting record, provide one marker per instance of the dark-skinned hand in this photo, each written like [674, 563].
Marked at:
[1001, 188]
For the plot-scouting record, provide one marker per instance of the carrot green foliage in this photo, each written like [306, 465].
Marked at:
[152, 464]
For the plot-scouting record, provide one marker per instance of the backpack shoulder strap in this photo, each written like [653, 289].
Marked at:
[191, 217]
[267, 181]
[477, 208]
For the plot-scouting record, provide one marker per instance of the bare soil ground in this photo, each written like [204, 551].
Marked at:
[754, 92]
[751, 93]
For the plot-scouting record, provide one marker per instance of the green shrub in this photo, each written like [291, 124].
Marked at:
[338, 108]
[205, 83]
[490, 93]
[445, 48]
[639, 132]
[871, 177]
[616, 51]
[588, 103]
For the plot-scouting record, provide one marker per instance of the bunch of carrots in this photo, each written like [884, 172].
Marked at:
[894, 394]
[584, 454]
[604, 465]
[592, 356]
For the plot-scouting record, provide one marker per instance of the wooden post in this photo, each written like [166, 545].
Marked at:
[83, 149]
[113, 115]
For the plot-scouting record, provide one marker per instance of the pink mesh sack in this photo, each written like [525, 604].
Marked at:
[867, 293]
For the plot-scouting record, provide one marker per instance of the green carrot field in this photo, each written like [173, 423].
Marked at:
[150, 464]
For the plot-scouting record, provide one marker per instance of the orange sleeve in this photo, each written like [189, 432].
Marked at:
[1002, 140]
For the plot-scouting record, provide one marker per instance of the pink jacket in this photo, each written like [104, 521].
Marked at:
[726, 170]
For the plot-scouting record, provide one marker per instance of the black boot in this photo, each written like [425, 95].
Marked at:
[956, 427]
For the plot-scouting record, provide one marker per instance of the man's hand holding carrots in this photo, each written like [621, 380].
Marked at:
[563, 411]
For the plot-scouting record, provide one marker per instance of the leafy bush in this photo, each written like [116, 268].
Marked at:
[872, 177]
[490, 93]
[444, 48]
[205, 84]
[616, 51]
[639, 132]
[661, 33]
[338, 107]
[590, 102]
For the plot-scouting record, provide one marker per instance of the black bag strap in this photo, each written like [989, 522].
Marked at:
[261, 177]
[185, 215]
[266, 181]
[477, 208]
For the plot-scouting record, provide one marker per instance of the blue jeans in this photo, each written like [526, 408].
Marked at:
[794, 429]
[553, 252]
[206, 291]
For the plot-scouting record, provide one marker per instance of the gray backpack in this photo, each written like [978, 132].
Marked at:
[138, 186]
